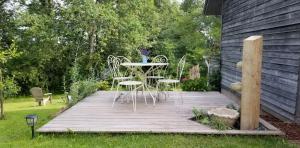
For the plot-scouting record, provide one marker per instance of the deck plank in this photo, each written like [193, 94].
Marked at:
[95, 114]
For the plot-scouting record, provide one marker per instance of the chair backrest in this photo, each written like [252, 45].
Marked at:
[37, 93]
[160, 59]
[180, 67]
[110, 63]
[120, 71]
[161, 70]
[123, 59]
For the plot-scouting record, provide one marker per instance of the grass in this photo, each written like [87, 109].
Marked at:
[15, 133]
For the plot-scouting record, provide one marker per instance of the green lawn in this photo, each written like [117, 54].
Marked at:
[15, 133]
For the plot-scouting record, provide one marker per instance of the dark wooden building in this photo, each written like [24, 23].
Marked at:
[279, 23]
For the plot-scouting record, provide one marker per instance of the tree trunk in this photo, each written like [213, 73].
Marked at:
[1, 105]
[1, 98]
[93, 38]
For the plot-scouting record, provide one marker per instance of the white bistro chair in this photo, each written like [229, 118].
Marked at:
[128, 82]
[132, 86]
[159, 72]
[173, 82]
[114, 68]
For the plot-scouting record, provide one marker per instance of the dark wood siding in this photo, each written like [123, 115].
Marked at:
[279, 23]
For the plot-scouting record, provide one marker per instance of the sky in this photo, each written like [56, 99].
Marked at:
[10, 5]
[179, 1]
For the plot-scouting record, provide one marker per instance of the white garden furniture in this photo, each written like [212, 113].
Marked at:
[137, 69]
[159, 73]
[133, 86]
[114, 68]
[154, 70]
[175, 81]
[39, 96]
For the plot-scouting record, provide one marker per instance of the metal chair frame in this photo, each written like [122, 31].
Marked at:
[160, 71]
[179, 72]
[115, 70]
[132, 87]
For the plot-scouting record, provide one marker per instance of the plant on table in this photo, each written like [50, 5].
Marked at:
[145, 53]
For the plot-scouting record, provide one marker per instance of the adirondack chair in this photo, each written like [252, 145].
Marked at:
[39, 97]
[67, 98]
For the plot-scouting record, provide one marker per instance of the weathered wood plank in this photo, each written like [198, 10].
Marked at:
[278, 21]
[94, 114]
[267, 10]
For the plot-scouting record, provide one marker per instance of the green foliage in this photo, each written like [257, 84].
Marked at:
[196, 85]
[218, 124]
[60, 38]
[10, 88]
[81, 89]
[198, 113]
[103, 85]
[202, 117]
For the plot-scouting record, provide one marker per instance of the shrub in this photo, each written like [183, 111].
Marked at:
[218, 124]
[81, 89]
[10, 88]
[103, 85]
[196, 85]
[202, 117]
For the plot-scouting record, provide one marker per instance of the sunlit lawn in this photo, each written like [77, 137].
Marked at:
[15, 133]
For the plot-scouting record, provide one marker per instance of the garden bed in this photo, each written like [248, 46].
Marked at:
[224, 119]
[264, 128]
[291, 130]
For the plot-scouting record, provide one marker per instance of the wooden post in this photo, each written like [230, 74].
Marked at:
[251, 78]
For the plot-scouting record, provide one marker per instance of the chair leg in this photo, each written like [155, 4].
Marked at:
[116, 95]
[153, 98]
[181, 97]
[144, 95]
[134, 98]
[166, 92]
[50, 99]
[144, 87]
[112, 85]
[157, 91]
[174, 86]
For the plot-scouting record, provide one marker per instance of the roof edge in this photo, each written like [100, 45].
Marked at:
[213, 7]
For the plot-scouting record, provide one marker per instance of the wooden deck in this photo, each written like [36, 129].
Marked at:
[95, 114]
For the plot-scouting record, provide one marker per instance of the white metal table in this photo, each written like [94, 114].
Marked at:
[137, 69]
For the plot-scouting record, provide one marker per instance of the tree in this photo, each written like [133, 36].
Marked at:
[7, 85]
[58, 36]
[189, 32]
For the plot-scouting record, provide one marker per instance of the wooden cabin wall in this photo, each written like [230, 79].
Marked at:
[279, 23]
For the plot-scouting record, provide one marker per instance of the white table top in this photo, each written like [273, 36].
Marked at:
[144, 64]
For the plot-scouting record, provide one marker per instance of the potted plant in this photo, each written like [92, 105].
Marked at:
[145, 53]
